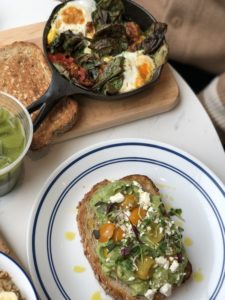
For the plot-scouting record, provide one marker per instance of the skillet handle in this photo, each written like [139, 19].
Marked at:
[44, 110]
[58, 88]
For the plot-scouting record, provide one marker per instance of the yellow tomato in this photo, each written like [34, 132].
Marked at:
[106, 232]
[129, 202]
[144, 267]
[118, 234]
[154, 235]
[137, 214]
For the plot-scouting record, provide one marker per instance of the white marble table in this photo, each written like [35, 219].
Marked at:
[187, 126]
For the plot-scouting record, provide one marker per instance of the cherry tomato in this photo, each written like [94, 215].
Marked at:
[144, 267]
[118, 234]
[154, 235]
[137, 214]
[106, 232]
[129, 202]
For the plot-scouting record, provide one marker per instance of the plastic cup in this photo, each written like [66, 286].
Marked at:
[10, 174]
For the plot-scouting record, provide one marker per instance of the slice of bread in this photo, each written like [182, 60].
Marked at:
[87, 221]
[25, 74]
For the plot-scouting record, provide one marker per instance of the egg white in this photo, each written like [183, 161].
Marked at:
[133, 78]
[85, 6]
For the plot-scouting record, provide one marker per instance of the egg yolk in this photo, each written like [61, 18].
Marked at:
[144, 71]
[51, 35]
[73, 15]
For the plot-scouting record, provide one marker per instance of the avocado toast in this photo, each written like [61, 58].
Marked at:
[134, 247]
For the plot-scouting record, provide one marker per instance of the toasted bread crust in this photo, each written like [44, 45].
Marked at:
[24, 71]
[26, 75]
[114, 288]
[59, 120]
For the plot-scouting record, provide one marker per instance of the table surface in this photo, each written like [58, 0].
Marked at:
[187, 127]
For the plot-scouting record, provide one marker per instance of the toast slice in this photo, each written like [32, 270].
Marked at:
[98, 210]
[25, 74]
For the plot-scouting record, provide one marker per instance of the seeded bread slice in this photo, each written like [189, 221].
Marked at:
[25, 74]
[87, 222]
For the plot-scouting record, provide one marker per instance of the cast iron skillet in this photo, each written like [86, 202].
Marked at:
[60, 86]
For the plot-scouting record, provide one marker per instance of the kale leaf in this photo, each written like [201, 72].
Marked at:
[107, 12]
[154, 38]
[110, 40]
[107, 80]
[68, 43]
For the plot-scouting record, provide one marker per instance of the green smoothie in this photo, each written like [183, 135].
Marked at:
[12, 138]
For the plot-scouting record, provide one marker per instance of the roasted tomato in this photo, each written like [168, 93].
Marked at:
[106, 232]
[137, 214]
[118, 234]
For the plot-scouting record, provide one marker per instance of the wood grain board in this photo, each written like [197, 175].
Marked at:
[95, 115]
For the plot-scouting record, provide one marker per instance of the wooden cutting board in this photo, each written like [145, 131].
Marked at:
[96, 115]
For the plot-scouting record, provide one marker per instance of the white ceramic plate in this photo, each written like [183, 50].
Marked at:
[55, 257]
[19, 277]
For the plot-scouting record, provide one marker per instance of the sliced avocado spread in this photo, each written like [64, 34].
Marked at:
[137, 241]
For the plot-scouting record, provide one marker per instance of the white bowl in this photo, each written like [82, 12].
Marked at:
[19, 277]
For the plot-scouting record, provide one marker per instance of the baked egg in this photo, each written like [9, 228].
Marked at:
[73, 16]
[138, 70]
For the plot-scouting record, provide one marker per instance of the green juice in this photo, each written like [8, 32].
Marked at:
[12, 143]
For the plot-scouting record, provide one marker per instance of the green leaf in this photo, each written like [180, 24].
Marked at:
[69, 43]
[107, 12]
[113, 70]
[110, 40]
[175, 212]
[154, 38]
[92, 63]
[114, 85]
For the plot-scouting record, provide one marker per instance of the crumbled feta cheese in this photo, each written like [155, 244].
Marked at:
[162, 262]
[120, 218]
[150, 294]
[131, 278]
[168, 232]
[136, 184]
[166, 289]
[117, 198]
[127, 229]
[150, 210]
[128, 213]
[142, 233]
[126, 217]
[160, 229]
[144, 199]
[123, 227]
[174, 266]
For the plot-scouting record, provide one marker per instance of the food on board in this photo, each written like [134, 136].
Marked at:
[94, 45]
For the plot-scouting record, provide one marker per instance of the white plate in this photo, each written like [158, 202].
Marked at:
[183, 181]
[19, 277]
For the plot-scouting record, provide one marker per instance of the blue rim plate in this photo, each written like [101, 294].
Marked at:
[56, 260]
[19, 276]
